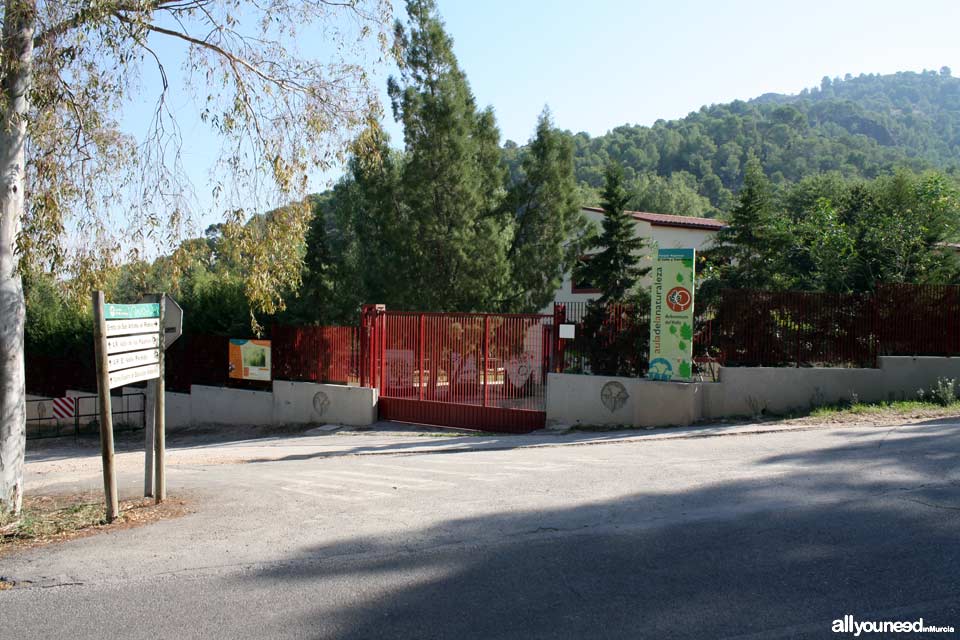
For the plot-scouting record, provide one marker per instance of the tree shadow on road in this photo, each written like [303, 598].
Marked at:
[860, 528]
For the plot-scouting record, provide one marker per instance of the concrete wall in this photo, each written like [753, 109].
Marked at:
[222, 405]
[602, 400]
[740, 391]
[288, 403]
[306, 403]
[178, 411]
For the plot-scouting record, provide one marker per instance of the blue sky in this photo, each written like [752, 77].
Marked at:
[602, 64]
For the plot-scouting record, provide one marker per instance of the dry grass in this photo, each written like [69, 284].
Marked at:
[48, 519]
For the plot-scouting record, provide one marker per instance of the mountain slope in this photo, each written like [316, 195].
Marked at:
[859, 127]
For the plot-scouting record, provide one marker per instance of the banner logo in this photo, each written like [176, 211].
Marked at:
[679, 299]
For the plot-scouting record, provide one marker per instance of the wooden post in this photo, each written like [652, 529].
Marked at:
[160, 482]
[106, 411]
[150, 419]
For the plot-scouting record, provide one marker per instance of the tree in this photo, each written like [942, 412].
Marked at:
[676, 195]
[549, 228]
[749, 252]
[616, 272]
[615, 269]
[66, 68]
[452, 181]
[854, 235]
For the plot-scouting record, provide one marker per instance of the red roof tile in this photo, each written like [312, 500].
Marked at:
[667, 220]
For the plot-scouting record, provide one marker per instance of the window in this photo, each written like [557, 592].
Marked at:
[577, 282]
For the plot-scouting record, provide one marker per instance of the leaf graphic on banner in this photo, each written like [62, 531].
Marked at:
[673, 330]
[684, 369]
[682, 345]
[686, 331]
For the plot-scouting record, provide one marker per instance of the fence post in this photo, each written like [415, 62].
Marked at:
[559, 316]
[954, 312]
[382, 348]
[420, 379]
[877, 342]
[798, 322]
[486, 359]
[368, 317]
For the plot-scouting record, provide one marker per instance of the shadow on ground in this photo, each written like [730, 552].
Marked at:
[868, 528]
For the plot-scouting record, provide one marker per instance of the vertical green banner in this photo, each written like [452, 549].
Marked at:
[671, 316]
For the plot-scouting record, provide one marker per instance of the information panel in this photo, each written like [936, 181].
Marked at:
[671, 316]
[249, 359]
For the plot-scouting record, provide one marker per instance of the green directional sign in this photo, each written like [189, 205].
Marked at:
[671, 316]
[131, 311]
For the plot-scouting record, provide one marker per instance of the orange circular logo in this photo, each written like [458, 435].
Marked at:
[679, 299]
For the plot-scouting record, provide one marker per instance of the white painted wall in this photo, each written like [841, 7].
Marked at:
[664, 237]
[222, 405]
[740, 391]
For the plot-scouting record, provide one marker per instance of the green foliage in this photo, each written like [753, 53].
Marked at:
[851, 236]
[615, 269]
[748, 253]
[453, 247]
[943, 392]
[54, 325]
[677, 194]
[859, 127]
[549, 230]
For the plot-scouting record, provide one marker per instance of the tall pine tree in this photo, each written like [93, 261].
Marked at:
[549, 228]
[453, 179]
[750, 252]
[615, 270]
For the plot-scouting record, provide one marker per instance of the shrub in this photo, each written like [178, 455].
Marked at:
[943, 392]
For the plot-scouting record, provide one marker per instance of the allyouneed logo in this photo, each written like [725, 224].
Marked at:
[849, 625]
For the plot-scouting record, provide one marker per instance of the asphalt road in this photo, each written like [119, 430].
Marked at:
[745, 536]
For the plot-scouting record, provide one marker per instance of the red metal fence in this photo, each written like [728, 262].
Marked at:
[797, 328]
[497, 362]
[459, 369]
[316, 354]
[775, 329]
[615, 343]
[919, 320]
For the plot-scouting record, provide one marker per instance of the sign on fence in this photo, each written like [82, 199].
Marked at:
[671, 316]
[249, 359]
[64, 407]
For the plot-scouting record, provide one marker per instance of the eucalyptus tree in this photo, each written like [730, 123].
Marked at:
[67, 70]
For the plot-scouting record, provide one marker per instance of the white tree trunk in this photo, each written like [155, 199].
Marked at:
[15, 73]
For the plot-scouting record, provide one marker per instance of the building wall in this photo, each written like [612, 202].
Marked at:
[663, 236]
[741, 391]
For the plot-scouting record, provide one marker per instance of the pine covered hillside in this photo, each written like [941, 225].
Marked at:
[859, 127]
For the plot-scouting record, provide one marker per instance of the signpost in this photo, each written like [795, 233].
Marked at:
[671, 316]
[127, 340]
[172, 324]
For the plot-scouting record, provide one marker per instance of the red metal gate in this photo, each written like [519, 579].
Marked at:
[469, 370]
